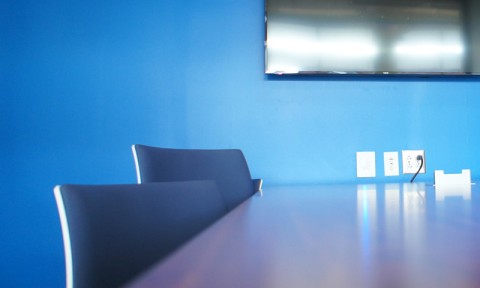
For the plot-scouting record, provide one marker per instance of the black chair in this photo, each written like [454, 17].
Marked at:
[114, 232]
[227, 167]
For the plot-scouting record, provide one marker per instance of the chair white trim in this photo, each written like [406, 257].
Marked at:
[66, 236]
[257, 183]
[137, 168]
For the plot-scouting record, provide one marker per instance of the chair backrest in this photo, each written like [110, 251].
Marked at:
[114, 232]
[227, 167]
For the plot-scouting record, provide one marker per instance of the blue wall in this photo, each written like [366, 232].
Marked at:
[83, 80]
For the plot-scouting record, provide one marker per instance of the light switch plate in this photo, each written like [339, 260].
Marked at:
[366, 164]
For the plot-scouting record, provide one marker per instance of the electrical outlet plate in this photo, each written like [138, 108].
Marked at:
[410, 163]
[366, 164]
[390, 164]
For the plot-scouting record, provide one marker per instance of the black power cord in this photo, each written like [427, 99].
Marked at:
[419, 158]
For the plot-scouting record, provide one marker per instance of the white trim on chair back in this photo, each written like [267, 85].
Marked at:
[66, 236]
[137, 168]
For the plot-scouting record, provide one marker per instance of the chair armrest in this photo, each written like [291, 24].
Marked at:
[257, 185]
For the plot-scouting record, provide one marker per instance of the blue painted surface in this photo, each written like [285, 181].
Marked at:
[83, 80]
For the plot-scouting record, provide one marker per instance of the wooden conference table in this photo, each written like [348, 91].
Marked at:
[384, 235]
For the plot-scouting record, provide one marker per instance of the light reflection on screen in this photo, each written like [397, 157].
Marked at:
[399, 37]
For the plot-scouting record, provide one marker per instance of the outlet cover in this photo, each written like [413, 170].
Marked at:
[390, 163]
[366, 164]
[410, 163]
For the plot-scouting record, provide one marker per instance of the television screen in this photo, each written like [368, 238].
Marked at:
[430, 37]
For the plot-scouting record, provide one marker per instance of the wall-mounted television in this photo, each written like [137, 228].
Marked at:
[411, 37]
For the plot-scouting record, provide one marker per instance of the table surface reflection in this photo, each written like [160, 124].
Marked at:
[384, 235]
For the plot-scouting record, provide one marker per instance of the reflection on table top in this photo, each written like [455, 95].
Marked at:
[387, 235]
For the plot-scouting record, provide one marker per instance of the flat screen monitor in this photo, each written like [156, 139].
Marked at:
[429, 37]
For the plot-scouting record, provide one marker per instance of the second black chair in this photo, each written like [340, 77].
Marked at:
[227, 167]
